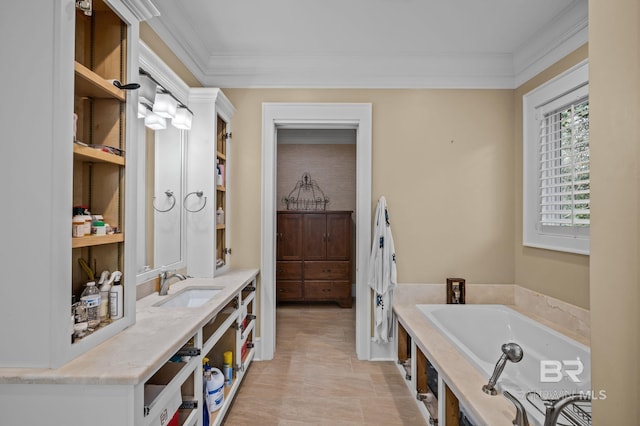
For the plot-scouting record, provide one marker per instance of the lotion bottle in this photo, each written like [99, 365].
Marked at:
[116, 302]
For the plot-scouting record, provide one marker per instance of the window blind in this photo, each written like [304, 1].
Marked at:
[563, 167]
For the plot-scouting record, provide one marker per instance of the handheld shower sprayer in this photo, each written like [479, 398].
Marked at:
[510, 352]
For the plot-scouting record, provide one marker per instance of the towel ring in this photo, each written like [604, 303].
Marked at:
[197, 194]
[169, 194]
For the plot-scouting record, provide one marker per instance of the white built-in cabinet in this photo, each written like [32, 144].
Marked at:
[208, 244]
[65, 63]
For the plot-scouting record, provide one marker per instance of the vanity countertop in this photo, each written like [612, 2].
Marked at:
[134, 354]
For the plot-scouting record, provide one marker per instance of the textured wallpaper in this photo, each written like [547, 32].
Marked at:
[333, 167]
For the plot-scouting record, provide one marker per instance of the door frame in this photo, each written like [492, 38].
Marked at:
[276, 116]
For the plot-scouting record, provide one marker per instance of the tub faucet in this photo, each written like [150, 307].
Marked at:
[521, 415]
[553, 410]
[165, 276]
[510, 352]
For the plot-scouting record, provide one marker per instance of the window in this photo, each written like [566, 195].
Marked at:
[556, 193]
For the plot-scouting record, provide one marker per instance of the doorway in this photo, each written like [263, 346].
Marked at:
[284, 116]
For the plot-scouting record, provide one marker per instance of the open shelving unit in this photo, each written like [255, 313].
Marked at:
[101, 45]
[436, 401]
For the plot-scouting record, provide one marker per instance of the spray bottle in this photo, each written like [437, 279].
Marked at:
[104, 285]
[116, 300]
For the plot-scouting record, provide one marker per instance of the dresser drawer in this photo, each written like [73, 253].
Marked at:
[288, 290]
[327, 270]
[326, 290]
[288, 270]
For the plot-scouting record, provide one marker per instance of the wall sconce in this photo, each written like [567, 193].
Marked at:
[183, 118]
[165, 105]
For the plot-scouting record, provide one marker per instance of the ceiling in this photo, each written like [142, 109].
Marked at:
[370, 43]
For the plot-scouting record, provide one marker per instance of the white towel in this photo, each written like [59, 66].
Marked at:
[382, 273]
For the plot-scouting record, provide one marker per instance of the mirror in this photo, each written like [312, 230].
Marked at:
[160, 180]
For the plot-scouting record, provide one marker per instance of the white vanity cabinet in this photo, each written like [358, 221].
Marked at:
[149, 373]
[208, 245]
[65, 65]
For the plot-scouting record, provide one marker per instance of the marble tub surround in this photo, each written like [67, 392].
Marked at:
[417, 293]
[574, 320]
[461, 377]
[134, 354]
[563, 317]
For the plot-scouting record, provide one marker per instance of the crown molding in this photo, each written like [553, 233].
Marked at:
[142, 9]
[563, 35]
[371, 71]
[551, 43]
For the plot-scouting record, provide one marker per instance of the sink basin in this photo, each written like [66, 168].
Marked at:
[190, 297]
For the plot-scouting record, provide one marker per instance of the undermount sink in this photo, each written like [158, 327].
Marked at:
[190, 297]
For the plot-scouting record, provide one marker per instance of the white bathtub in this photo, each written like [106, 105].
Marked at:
[478, 332]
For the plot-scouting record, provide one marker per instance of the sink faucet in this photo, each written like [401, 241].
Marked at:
[165, 276]
[553, 410]
[510, 352]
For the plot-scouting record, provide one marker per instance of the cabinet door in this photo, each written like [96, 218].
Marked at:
[339, 236]
[315, 236]
[289, 237]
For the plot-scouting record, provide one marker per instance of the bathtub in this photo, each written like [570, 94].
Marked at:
[478, 332]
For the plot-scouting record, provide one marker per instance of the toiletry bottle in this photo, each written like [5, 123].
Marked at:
[214, 388]
[227, 369]
[116, 302]
[104, 295]
[220, 216]
[206, 376]
[90, 298]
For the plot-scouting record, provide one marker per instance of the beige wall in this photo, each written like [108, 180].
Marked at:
[614, 74]
[333, 167]
[561, 275]
[442, 158]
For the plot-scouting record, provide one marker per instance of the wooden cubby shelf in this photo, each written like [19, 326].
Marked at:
[90, 84]
[96, 240]
[88, 154]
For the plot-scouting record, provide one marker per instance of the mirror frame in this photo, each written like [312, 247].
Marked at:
[152, 63]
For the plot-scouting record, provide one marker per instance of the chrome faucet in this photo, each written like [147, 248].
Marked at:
[165, 276]
[521, 414]
[553, 410]
[510, 352]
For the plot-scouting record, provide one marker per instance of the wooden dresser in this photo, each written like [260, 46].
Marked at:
[313, 260]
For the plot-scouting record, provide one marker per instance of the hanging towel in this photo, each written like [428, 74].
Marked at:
[382, 273]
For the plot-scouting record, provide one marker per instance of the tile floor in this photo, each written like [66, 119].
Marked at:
[315, 377]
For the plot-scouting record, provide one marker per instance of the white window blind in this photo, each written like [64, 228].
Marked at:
[563, 167]
[555, 168]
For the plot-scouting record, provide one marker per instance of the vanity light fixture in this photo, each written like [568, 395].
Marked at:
[148, 89]
[143, 110]
[183, 118]
[165, 105]
[155, 100]
[155, 122]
